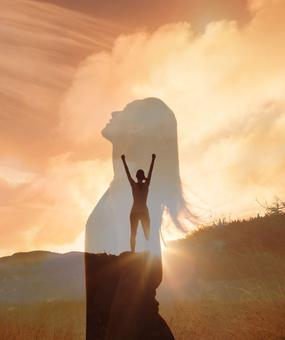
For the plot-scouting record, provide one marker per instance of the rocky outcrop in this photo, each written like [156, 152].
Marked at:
[121, 302]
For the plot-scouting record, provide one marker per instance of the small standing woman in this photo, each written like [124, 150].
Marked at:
[139, 210]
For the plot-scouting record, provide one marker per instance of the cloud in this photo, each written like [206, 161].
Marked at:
[152, 14]
[52, 208]
[226, 87]
[41, 47]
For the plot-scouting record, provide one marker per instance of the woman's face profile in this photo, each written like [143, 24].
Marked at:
[139, 119]
[125, 123]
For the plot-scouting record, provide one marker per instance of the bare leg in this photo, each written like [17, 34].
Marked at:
[134, 227]
[145, 220]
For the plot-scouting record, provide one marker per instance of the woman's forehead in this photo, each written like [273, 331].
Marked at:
[133, 106]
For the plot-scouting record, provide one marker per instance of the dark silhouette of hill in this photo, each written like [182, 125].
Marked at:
[239, 250]
[41, 276]
[234, 251]
[261, 233]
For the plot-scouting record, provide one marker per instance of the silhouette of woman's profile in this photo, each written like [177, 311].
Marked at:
[144, 127]
[139, 210]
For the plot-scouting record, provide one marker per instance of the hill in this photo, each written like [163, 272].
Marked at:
[231, 259]
[226, 280]
[41, 276]
[244, 254]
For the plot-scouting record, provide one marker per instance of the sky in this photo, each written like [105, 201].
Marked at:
[151, 14]
[65, 65]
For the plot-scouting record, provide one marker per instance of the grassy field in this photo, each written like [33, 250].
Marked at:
[238, 289]
[56, 320]
[226, 320]
[188, 320]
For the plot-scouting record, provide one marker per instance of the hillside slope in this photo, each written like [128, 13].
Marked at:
[240, 254]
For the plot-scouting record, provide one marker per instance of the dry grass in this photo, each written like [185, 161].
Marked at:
[58, 320]
[238, 290]
[221, 321]
[188, 320]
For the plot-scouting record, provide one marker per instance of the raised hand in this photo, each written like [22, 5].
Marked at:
[153, 156]
[123, 157]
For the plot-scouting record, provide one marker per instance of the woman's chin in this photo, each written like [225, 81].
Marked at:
[111, 134]
[106, 133]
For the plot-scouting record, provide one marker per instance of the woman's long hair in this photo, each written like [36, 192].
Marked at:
[151, 127]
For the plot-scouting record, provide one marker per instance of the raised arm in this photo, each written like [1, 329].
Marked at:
[151, 168]
[127, 169]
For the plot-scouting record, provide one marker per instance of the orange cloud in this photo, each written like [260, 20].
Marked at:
[41, 47]
[226, 91]
[226, 87]
[51, 208]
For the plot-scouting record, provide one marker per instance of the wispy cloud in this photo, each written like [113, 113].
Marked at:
[41, 48]
[226, 87]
